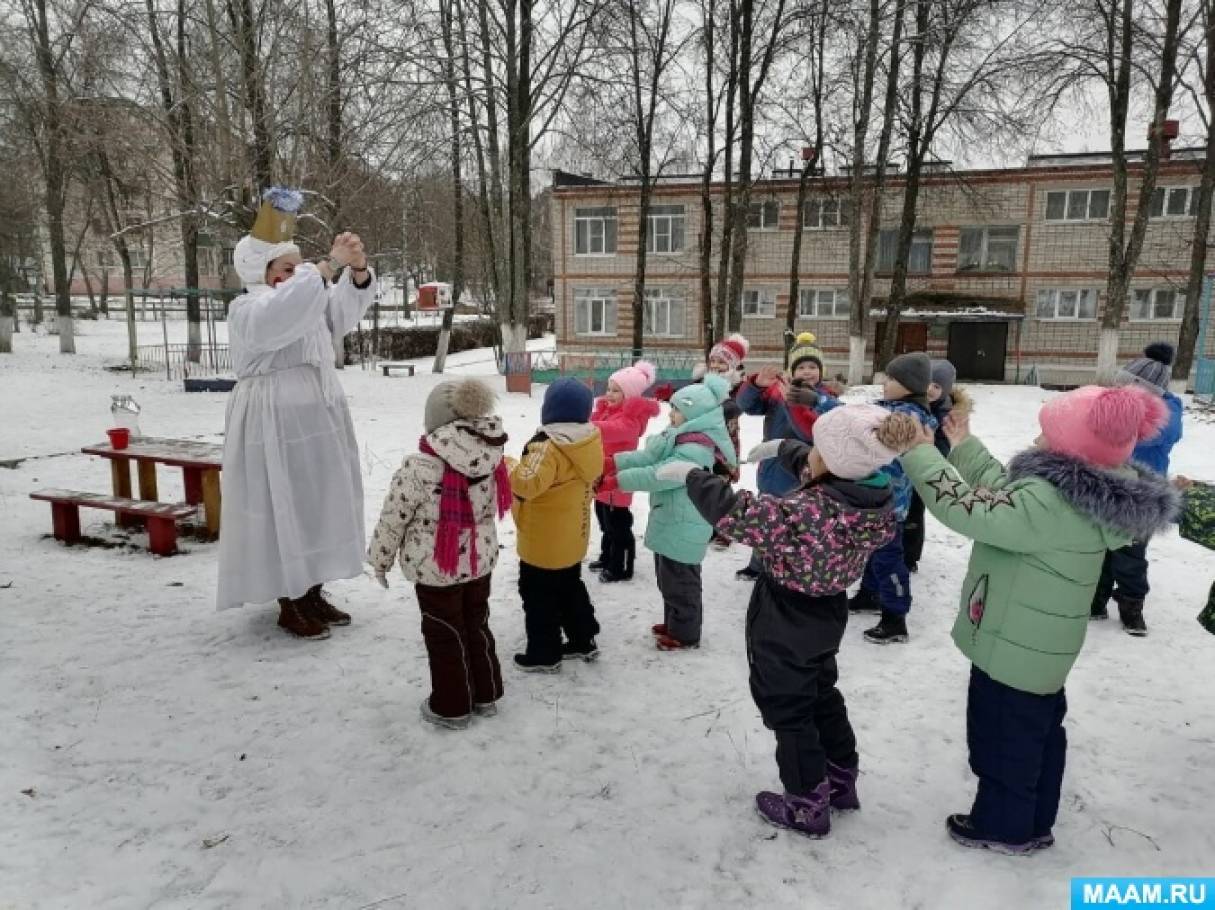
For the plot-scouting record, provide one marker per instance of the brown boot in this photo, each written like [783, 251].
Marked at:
[294, 619]
[321, 609]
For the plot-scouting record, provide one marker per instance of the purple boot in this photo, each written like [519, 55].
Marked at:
[843, 787]
[808, 815]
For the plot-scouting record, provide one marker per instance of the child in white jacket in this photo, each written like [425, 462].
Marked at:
[439, 519]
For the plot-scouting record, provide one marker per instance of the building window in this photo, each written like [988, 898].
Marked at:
[664, 313]
[229, 257]
[139, 259]
[919, 262]
[822, 303]
[105, 259]
[595, 231]
[1067, 303]
[1174, 202]
[594, 311]
[824, 214]
[988, 249]
[1156, 304]
[1078, 205]
[759, 303]
[763, 216]
[665, 229]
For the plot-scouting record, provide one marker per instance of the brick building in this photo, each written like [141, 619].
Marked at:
[1008, 268]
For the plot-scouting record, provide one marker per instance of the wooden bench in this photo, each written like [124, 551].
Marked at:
[388, 366]
[161, 517]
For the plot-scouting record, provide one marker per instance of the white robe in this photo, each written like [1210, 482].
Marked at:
[292, 489]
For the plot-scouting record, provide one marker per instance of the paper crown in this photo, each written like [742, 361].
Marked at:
[275, 222]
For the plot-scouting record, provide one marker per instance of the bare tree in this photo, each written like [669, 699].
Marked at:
[863, 231]
[1204, 60]
[754, 64]
[813, 29]
[963, 52]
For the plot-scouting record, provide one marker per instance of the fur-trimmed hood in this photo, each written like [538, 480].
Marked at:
[1131, 501]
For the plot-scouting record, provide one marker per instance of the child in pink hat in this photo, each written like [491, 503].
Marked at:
[621, 416]
[1041, 527]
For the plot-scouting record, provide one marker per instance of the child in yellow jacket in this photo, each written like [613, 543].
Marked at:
[552, 487]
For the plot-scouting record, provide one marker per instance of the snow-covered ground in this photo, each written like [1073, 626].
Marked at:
[158, 753]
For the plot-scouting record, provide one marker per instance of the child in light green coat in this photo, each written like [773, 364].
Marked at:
[675, 531]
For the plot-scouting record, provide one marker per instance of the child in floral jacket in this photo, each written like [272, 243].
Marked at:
[811, 544]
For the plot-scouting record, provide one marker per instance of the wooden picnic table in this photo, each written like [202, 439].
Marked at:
[200, 463]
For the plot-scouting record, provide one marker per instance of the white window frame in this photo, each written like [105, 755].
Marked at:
[663, 301]
[1056, 295]
[1067, 205]
[603, 300]
[810, 303]
[139, 257]
[600, 219]
[830, 213]
[919, 237]
[984, 264]
[764, 209]
[765, 299]
[663, 221]
[1152, 294]
[1165, 195]
[106, 259]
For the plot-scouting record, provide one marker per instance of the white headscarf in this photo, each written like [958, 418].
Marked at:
[252, 256]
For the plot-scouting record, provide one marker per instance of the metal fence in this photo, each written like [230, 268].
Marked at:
[1204, 381]
[175, 362]
[597, 366]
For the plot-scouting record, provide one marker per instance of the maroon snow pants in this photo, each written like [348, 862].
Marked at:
[463, 659]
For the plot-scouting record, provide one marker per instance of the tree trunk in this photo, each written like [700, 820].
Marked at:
[179, 122]
[706, 183]
[7, 314]
[104, 302]
[729, 203]
[128, 283]
[333, 113]
[803, 184]
[254, 92]
[746, 141]
[457, 187]
[1125, 258]
[55, 176]
[1187, 340]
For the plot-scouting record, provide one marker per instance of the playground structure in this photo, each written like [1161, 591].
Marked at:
[591, 367]
[183, 361]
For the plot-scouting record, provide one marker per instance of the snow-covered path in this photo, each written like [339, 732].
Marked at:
[157, 753]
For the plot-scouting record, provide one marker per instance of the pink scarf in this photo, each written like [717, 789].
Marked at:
[456, 513]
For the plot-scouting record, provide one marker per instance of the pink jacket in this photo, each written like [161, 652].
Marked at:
[621, 428]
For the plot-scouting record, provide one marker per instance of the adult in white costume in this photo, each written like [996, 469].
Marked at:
[292, 491]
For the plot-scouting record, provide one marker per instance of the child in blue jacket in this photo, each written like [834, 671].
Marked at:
[886, 585]
[1125, 573]
[789, 405]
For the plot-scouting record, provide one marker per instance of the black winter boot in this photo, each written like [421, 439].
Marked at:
[1131, 614]
[892, 629]
[864, 601]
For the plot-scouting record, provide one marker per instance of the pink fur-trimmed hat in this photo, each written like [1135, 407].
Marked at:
[1101, 426]
[634, 380]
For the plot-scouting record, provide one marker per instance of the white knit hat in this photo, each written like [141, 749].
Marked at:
[847, 440]
[252, 256]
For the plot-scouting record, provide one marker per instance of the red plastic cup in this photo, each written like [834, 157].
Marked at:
[120, 437]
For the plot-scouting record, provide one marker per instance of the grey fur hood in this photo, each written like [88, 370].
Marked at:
[1132, 500]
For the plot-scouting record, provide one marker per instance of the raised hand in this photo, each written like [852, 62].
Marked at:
[957, 428]
[348, 250]
[768, 376]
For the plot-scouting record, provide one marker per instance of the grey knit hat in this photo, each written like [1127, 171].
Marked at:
[944, 374]
[913, 371]
[459, 399]
[1153, 371]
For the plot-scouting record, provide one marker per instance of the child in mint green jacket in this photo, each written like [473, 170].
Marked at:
[675, 530]
[1041, 529]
